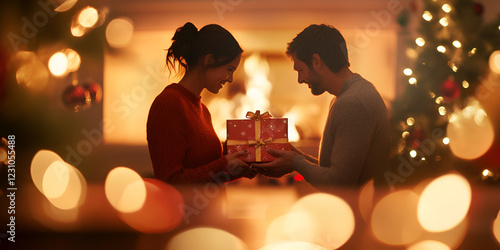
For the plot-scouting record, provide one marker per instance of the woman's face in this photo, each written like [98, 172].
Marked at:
[216, 77]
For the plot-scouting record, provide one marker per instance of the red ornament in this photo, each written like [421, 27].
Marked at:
[449, 90]
[478, 8]
[77, 98]
[417, 135]
[413, 6]
[95, 91]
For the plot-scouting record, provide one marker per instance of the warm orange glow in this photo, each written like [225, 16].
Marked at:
[452, 238]
[293, 117]
[67, 5]
[31, 72]
[494, 62]
[366, 200]
[39, 164]
[162, 210]
[331, 221]
[394, 220]
[291, 226]
[496, 227]
[64, 186]
[88, 17]
[258, 86]
[429, 245]
[470, 131]
[206, 238]
[119, 32]
[60, 215]
[73, 58]
[444, 203]
[293, 245]
[125, 189]
[58, 64]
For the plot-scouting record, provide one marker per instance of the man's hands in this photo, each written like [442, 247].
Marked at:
[280, 166]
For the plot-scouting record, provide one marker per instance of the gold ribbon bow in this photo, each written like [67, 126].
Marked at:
[257, 116]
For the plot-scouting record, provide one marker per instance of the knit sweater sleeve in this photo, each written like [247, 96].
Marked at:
[167, 128]
[352, 131]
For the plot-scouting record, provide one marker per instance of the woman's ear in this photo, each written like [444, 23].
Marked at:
[209, 60]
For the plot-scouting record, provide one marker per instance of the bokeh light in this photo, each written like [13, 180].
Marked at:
[39, 165]
[420, 41]
[427, 16]
[289, 227]
[444, 203]
[470, 131]
[408, 71]
[453, 238]
[332, 219]
[494, 62]
[119, 32]
[457, 44]
[58, 64]
[205, 238]
[429, 245]
[65, 6]
[125, 189]
[496, 227]
[64, 185]
[31, 72]
[444, 21]
[446, 8]
[293, 245]
[394, 220]
[441, 49]
[88, 17]
[73, 58]
[161, 212]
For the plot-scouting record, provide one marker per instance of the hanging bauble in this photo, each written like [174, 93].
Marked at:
[413, 6]
[95, 91]
[403, 18]
[449, 90]
[478, 9]
[77, 98]
[417, 135]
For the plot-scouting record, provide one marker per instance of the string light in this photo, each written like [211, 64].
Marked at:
[413, 154]
[443, 21]
[431, 94]
[442, 110]
[465, 84]
[472, 51]
[407, 71]
[405, 134]
[446, 8]
[412, 80]
[441, 49]
[439, 100]
[446, 141]
[420, 41]
[410, 121]
[487, 172]
[427, 16]
[457, 44]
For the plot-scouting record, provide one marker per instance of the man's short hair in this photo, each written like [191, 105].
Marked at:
[324, 40]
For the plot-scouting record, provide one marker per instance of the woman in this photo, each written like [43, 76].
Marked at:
[183, 145]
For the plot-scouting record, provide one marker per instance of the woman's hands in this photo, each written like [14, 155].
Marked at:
[238, 168]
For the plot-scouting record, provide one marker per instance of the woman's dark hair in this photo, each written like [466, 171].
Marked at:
[324, 40]
[189, 45]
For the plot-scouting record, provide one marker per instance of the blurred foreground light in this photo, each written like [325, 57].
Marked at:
[494, 62]
[446, 8]
[331, 230]
[31, 72]
[410, 121]
[293, 245]
[119, 32]
[366, 199]
[441, 49]
[444, 203]
[64, 185]
[408, 71]
[442, 110]
[161, 212]
[205, 238]
[444, 21]
[420, 41]
[427, 16]
[125, 189]
[429, 245]
[457, 44]
[65, 6]
[496, 227]
[412, 80]
[73, 58]
[290, 227]
[470, 131]
[88, 17]
[58, 64]
[39, 165]
[465, 84]
[394, 220]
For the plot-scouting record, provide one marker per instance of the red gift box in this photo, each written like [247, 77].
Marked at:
[256, 134]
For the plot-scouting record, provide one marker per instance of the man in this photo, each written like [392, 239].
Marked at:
[356, 138]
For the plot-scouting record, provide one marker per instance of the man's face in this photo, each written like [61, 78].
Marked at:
[308, 75]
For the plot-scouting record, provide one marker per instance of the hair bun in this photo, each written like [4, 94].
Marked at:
[186, 34]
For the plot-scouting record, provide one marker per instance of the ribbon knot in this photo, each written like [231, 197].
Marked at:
[261, 143]
[257, 116]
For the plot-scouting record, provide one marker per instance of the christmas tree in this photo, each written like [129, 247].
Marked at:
[438, 122]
